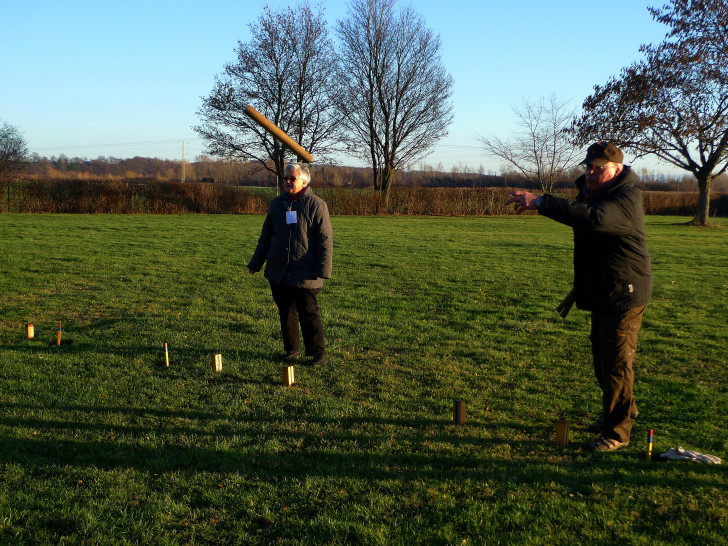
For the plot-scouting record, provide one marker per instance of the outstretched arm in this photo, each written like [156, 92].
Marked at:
[523, 200]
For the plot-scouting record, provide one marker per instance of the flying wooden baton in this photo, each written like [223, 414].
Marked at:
[277, 133]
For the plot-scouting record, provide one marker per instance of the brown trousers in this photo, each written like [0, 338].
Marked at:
[614, 342]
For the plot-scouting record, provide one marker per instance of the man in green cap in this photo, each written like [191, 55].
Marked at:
[612, 277]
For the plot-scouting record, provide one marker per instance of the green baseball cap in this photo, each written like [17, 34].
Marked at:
[602, 153]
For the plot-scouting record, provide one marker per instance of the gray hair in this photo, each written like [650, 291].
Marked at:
[303, 171]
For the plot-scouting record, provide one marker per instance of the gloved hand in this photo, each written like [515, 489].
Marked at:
[681, 454]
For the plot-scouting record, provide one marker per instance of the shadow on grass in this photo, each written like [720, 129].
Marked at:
[330, 455]
[153, 354]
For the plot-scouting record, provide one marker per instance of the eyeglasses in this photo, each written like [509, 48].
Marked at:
[290, 178]
[596, 168]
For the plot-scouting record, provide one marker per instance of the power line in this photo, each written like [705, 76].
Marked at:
[460, 146]
[118, 145]
[179, 140]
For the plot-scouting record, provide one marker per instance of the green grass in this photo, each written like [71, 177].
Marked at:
[100, 443]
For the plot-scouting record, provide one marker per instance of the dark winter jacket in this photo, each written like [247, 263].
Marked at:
[298, 252]
[612, 268]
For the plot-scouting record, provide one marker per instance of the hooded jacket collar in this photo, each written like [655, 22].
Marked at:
[303, 195]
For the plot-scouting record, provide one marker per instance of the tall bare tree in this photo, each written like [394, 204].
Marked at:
[288, 72]
[674, 103]
[13, 151]
[396, 101]
[540, 149]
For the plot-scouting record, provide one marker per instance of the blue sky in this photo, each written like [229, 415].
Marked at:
[89, 79]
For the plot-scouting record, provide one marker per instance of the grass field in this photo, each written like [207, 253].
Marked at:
[100, 443]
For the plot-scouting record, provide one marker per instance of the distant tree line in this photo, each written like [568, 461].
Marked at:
[239, 173]
[166, 197]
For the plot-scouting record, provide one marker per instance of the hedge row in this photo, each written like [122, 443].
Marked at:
[153, 197]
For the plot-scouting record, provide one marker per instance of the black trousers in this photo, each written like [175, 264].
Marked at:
[296, 304]
[614, 342]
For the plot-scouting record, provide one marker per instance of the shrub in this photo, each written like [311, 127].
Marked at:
[82, 196]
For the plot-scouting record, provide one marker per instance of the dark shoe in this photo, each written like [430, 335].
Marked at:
[319, 360]
[606, 444]
[290, 355]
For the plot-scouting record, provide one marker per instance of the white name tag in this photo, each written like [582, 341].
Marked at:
[291, 217]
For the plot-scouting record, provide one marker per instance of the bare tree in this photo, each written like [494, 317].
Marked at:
[396, 101]
[674, 103]
[540, 149]
[13, 151]
[288, 72]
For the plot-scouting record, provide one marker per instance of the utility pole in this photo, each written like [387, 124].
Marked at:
[183, 161]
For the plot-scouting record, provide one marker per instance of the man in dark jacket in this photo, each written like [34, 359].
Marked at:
[296, 243]
[612, 277]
